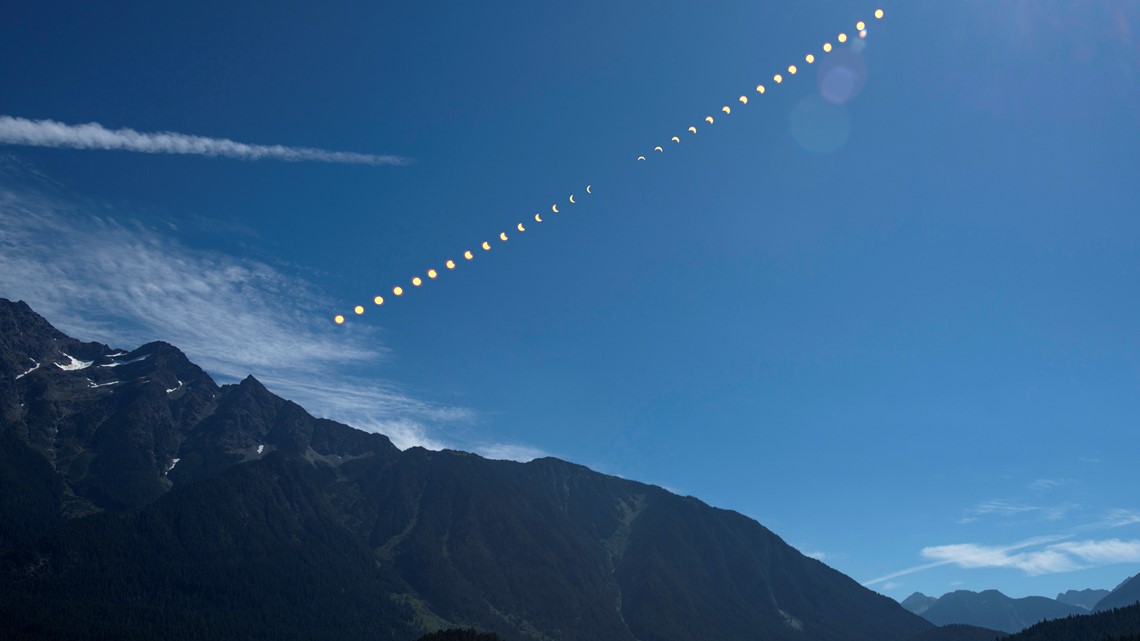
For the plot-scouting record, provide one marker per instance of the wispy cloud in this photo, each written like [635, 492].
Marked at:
[125, 284]
[1040, 555]
[817, 555]
[92, 135]
[1057, 557]
[1008, 509]
[972, 556]
[1116, 517]
[510, 452]
[1049, 484]
[947, 559]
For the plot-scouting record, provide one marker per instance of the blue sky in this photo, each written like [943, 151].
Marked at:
[898, 330]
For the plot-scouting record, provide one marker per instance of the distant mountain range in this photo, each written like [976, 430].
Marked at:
[992, 609]
[1086, 599]
[141, 500]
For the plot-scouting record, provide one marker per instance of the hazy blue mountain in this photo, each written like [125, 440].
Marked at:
[1086, 599]
[994, 610]
[1125, 594]
[918, 602]
[140, 500]
[1116, 624]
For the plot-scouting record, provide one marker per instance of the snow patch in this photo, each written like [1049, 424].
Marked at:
[133, 360]
[116, 354]
[74, 364]
[92, 384]
[173, 462]
[34, 368]
[174, 389]
[260, 448]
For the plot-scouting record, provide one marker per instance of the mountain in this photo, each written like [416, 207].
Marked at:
[990, 609]
[141, 500]
[918, 603]
[959, 632]
[1086, 599]
[1125, 594]
[1117, 624]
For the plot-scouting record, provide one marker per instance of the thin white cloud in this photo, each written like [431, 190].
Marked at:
[891, 585]
[92, 135]
[1049, 484]
[948, 558]
[1120, 517]
[510, 452]
[972, 556]
[123, 284]
[1009, 509]
[1104, 552]
[1052, 555]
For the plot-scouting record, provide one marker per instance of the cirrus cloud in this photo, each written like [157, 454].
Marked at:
[92, 135]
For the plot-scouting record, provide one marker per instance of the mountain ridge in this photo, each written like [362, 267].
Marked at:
[237, 514]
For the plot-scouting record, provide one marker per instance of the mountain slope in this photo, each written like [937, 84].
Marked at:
[1124, 595]
[156, 504]
[994, 610]
[253, 553]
